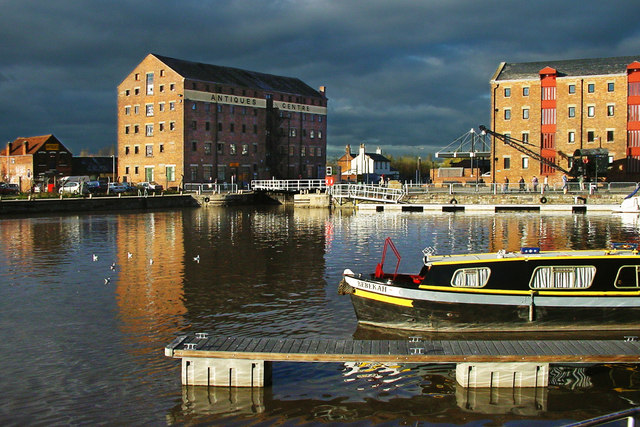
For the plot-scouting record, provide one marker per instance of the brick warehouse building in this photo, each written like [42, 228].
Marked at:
[561, 106]
[183, 122]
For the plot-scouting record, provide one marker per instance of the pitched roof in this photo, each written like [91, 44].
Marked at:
[237, 77]
[568, 67]
[34, 143]
[377, 157]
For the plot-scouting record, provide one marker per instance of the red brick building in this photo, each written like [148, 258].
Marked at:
[186, 122]
[558, 107]
[34, 160]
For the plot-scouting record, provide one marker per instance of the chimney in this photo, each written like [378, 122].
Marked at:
[348, 150]
[378, 150]
[361, 152]
[25, 146]
[323, 90]
[9, 146]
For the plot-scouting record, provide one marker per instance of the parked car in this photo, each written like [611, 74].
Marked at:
[116, 187]
[96, 187]
[74, 187]
[151, 186]
[131, 188]
[9, 188]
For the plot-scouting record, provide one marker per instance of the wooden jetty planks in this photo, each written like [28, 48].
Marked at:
[414, 350]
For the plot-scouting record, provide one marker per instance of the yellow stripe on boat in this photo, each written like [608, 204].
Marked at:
[576, 293]
[384, 298]
[525, 258]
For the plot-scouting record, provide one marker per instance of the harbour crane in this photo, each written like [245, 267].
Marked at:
[586, 162]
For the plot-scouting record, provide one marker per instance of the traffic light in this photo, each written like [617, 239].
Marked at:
[329, 171]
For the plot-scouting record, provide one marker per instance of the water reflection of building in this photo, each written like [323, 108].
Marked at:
[149, 287]
[511, 231]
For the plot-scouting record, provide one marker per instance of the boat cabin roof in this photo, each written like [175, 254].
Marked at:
[529, 254]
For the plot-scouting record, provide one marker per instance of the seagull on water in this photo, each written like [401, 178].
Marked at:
[113, 266]
[107, 280]
[197, 259]
[129, 255]
[95, 257]
[150, 261]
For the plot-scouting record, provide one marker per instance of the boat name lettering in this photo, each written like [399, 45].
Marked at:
[372, 286]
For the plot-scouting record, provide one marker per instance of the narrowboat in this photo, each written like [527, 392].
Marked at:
[528, 290]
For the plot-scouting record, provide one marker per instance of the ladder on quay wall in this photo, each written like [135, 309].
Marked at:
[368, 192]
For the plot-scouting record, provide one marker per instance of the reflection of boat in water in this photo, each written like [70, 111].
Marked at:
[508, 291]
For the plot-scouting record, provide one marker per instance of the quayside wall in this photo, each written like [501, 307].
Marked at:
[49, 205]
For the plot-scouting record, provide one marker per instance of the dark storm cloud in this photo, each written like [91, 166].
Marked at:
[410, 76]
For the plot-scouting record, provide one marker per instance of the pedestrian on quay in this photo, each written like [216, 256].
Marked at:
[545, 184]
[565, 184]
[505, 186]
[521, 181]
[534, 183]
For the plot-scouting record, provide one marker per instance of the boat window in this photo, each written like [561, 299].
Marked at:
[471, 277]
[563, 277]
[627, 276]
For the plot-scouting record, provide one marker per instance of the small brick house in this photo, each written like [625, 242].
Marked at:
[35, 160]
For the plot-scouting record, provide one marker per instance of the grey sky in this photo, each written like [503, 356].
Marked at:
[407, 75]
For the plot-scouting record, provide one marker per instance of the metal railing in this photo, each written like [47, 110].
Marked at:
[210, 188]
[374, 193]
[622, 188]
[288, 184]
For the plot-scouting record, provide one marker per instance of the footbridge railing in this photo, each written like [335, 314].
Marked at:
[289, 185]
[374, 193]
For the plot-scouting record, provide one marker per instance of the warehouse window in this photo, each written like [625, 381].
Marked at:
[149, 83]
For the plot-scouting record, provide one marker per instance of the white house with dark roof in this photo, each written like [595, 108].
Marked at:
[372, 165]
